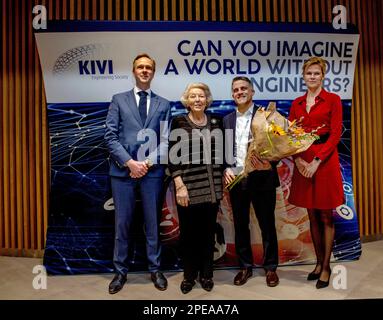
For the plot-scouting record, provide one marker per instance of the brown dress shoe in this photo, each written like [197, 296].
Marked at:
[207, 283]
[272, 279]
[242, 276]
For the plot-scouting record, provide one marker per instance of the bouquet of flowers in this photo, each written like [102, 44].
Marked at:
[274, 138]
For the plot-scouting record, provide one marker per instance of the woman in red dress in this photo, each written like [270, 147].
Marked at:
[317, 181]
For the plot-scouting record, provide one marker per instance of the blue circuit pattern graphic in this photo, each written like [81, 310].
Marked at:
[80, 234]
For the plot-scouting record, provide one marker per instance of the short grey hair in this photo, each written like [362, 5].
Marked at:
[198, 85]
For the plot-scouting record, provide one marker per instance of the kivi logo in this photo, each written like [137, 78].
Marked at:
[95, 67]
[83, 60]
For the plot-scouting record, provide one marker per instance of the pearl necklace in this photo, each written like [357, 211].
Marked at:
[198, 123]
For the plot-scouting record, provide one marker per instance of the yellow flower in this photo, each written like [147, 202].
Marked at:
[277, 129]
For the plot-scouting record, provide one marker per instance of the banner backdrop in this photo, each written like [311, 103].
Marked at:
[85, 63]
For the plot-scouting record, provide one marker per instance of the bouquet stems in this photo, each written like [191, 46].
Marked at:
[237, 179]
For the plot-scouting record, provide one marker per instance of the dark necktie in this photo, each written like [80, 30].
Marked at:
[142, 105]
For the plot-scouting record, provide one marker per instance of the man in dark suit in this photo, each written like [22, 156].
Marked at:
[259, 188]
[137, 165]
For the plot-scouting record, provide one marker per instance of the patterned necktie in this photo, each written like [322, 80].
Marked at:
[142, 105]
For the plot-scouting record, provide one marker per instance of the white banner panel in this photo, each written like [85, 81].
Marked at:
[92, 66]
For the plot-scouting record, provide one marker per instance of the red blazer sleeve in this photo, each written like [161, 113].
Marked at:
[335, 128]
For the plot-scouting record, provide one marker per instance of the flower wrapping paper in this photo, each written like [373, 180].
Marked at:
[275, 137]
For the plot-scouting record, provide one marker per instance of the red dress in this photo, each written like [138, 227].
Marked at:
[325, 189]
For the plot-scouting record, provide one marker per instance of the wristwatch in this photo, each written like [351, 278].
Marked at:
[317, 159]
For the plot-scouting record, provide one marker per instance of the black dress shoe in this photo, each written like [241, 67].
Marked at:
[207, 283]
[313, 276]
[159, 280]
[117, 283]
[323, 284]
[242, 276]
[187, 286]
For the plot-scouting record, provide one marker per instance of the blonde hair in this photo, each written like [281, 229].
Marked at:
[315, 60]
[196, 85]
[144, 55]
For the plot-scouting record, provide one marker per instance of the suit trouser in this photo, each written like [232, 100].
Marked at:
[264, 205]
[197, 233]
[124, 196]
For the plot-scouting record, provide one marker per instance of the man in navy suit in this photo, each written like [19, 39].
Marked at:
[259, 188]
[136, 136]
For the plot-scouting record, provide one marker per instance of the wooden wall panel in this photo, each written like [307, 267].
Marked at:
[24, 138]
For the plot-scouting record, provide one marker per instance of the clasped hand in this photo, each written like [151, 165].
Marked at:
[137, 168]
[228, 176]
[182, 196]
[259, 164]
[307, 169]
[256, 163]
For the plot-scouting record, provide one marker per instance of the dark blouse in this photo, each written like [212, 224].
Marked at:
[196, 154]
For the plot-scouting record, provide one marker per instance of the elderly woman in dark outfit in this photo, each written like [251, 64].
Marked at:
[195, 163]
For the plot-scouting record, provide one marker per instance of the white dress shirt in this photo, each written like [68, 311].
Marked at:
[242, 130]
